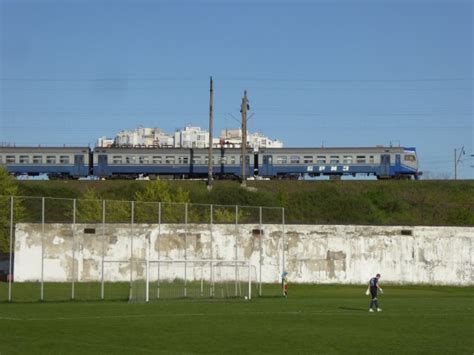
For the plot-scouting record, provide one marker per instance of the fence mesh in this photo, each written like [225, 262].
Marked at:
[55, 249]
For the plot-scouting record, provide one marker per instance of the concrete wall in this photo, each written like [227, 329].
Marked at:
[312, 253]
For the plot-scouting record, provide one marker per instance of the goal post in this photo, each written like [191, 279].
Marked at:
[164, 279]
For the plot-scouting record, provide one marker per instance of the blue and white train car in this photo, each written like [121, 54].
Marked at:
[56, 162]
[172, 162]
[382, 162]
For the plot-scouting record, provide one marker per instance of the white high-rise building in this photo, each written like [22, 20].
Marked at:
[104, 142]
[191, 137]
[144, 136]
[233, 138]
[162, 139]
[258, 140]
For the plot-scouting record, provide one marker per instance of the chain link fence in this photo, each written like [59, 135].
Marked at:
[55, 249]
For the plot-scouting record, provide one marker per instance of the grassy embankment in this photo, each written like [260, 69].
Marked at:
[308, 202]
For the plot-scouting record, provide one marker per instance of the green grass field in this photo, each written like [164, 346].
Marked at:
[314, 319]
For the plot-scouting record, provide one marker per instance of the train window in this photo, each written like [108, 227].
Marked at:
[50, 159]
[334, 159]
[183, 160]
[157, 159]
[24, 159]
[130, 159]
[196, 160]
[143, 160]
[294, 159]
[232, 159]
[371, 159]
[63, 159]
[282, 159]
[347, 159]
[223, 160]
[37, 159]
[321, 159]
[10, 159]
[117, 159]
[360, 159]
[308, 159]
[169, 159]
[410, 157]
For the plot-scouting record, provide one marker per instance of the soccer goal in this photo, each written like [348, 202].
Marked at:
[162, 279]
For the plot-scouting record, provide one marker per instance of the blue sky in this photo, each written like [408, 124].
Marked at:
[332, 73]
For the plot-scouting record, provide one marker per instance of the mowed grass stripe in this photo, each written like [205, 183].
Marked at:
[349, 312]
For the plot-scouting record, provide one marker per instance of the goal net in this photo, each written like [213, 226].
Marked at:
[162, 279]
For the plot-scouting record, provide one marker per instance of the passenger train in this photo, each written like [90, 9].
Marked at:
[183, 163]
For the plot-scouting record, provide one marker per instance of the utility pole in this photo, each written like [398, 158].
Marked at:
[243, 110]
[209, 163]
[457, 158]
[455, 166]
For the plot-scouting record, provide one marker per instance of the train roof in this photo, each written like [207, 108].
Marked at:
[326, 150]
[8, 149]
[289, 150]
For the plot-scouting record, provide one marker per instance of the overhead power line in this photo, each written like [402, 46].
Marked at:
[338, 89]
[351, 80]
[125, 79]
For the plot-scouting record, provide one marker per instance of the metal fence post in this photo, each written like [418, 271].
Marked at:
[42, 249]
[10, 262]
[202, 280]
[185, 248]
[158, 247]
[212, 250]
[250, 281]
[283, 240]
[73, 268]
[261, 252]
[102, 288]
[235, 247]
[131, 250]
[147, 278]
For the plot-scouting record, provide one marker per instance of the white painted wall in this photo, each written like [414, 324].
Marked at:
[312, 253]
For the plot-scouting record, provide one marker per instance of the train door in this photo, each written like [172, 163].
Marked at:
[79, 169]
[397, 160]
[101, 165]
[396, 172]
[267, 166]
[385, 165]
[255, 164]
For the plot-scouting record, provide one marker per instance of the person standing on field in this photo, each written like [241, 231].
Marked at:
[284, 283]
[373, 287]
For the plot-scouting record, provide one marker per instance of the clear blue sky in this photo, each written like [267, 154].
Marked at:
[338, 73]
